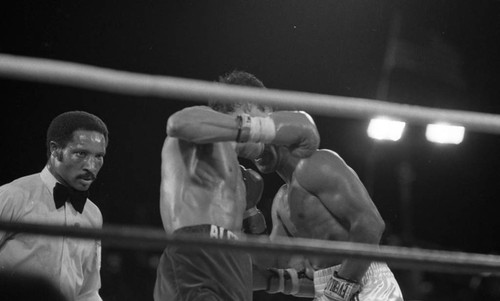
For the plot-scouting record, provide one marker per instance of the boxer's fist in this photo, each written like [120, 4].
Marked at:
[340, 289]
[254, 185]
[286, 281]
[254, 221]
[299, 127]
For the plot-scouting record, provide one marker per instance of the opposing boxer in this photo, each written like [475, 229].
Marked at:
[203, 192]
[323, 198]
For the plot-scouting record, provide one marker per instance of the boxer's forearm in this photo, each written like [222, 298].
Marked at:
[202, 125]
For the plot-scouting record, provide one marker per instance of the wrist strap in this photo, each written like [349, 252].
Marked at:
[287, 282]
[275, 282]
[244, 122]
[262, 129]
[255, 129]
[294, 277]
[281, 286]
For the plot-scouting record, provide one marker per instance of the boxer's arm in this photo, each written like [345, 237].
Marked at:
[277, 231]
[327, 176]
[274, 274]
[293, 129]
[201, 124]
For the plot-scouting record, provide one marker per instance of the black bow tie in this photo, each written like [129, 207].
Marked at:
[63, 194]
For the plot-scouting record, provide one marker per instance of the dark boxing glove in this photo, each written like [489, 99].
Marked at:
[340, 289]
[253, 219]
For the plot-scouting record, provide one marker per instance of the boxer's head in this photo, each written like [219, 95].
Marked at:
[240, 78]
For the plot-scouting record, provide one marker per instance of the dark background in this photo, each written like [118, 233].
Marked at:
[446, 56]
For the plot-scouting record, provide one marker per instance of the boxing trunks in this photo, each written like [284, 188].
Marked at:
[189, 273]
[377, 284]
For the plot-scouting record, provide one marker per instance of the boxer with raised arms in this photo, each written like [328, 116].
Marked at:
[203, 192]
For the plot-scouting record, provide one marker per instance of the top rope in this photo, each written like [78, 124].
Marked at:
[129, 83]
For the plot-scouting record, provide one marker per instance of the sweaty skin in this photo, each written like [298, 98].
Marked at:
[201, 178]
[324, 199]
[201, 184]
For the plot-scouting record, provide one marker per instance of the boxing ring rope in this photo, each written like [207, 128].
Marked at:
[123, 82]
[151, 239]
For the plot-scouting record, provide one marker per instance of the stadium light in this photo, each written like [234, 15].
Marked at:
[385, 129]
[444, 133]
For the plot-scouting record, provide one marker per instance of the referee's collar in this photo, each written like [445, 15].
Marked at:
[48, 179]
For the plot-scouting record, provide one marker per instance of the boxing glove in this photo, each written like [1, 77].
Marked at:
[254, 221]
[298, 127]
[268, 160]
[249, 150]
[293, 129]
[340, 289]
[289, 282]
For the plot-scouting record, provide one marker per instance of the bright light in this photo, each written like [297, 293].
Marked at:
[445, 133]
[385, 129]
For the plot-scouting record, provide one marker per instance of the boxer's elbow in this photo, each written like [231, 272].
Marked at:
[368, 229]
[177, 126]
[188, 123]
